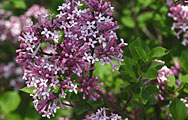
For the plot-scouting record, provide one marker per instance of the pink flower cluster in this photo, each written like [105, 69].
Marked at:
[102, 114]
[163, 74]
[76, 39]
[180, 14]
[169, 2]
[163, 78]
[11, 28]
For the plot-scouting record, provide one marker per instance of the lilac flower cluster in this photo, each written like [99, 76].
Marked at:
[31, 12]
[180, 14]
[101, 114]
[163, 74]
[12, 26]
[9, 29]
[163, 78]
[76, 39]
[169, 2]
[12, 72]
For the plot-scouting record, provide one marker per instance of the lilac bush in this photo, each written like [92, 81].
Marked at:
[60, 53]
[73, 63]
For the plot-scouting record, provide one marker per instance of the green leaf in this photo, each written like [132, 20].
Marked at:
[149, 93]
[20, 4]
[185, 87]
[185, 90]
[151, 73]
[6, 5]
[143, 18]
[28, 90]
[141, 53]
[134, 47]
[183, 78]
[44, 44]
[145, 3]
[56, 90]
[155, 64]
[13, 116]
[157, 52]
[178, 109]
[72, 96]
[128, 21]
[80, 108]
[172, 81]
[184, 60]
[30, 113]
[152, 100]
[9, 101]
[150, 90]
[128, 73]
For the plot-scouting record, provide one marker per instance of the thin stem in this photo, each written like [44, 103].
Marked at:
[134, 17]
[149, 34]
[127, 103]
[143, 111]
[131, 96]
[159, 35]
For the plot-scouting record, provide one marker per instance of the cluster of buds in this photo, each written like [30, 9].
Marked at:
[59, 54]
[102, 114]
[180, 14]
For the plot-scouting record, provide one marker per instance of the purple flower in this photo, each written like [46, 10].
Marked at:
[88, 36]
[176, 69]
[163, 74]
[102, 114]
[180, 14]
[88, 85]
